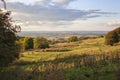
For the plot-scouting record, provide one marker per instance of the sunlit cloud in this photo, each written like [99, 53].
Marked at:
[46, 14]
[114, 23]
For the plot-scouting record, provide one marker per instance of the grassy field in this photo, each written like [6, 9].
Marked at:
[83, 60]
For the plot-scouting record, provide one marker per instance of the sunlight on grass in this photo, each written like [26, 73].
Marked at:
[90, 46]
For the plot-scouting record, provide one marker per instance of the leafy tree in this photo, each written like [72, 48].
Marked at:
[20, 42]
[9, 50]
[117, 30]
[40, 43]
[112, 37]
[28, 43]
[73, 39]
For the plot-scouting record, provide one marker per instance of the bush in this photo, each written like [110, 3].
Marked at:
[21, 44]
[112, 37]
[40, 43]
[9, 50]
[73, 39]
[28, 43]
[118, 32]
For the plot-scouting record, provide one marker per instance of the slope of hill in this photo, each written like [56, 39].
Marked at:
[88, 60]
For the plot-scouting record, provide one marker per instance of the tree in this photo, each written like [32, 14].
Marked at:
[28, 43]
[40, 43]
[73, 39]
[9, 50]
[117, 30]
[112, 37]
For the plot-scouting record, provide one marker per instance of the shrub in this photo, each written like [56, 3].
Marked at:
[118, 32]
[21, 44]
[40, 43]
[73, 39]
[112, 37]
[28, 43]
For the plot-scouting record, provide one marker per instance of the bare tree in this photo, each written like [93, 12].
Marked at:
[7, 20]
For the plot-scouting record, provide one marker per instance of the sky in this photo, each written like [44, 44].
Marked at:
[65, 15]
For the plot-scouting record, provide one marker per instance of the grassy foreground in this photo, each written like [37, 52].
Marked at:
[84, 60]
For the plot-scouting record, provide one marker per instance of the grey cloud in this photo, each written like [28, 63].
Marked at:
[54, 2]
[62, 2]
[51, 13]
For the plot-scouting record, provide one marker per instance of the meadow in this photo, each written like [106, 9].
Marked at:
[88, 59]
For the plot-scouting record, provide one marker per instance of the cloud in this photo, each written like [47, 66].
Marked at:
[62, 2]
[113, 23]
[54, 2]
[49, 13]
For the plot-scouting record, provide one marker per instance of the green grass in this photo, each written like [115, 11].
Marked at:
[93, 46]
[86, 60]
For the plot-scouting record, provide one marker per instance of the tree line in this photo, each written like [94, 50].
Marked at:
[27, 43]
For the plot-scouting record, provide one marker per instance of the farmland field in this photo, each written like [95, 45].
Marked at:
[88, 59]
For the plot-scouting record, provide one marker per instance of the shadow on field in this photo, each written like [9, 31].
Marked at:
[73, 67]
[79, 59]
[33, 74]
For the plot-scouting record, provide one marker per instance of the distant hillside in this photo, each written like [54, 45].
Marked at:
[60, 33]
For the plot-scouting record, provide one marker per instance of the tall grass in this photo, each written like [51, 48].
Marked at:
[73, 67]
[91, 60]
